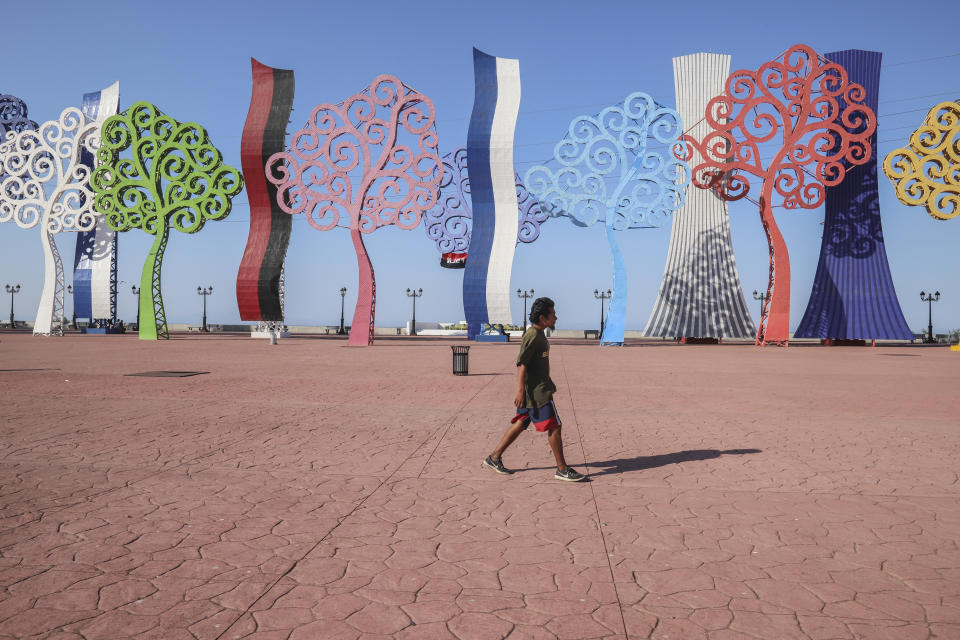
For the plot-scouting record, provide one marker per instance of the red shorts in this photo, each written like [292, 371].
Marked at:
[544, 418]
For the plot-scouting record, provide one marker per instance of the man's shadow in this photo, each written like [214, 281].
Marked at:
[622, 465]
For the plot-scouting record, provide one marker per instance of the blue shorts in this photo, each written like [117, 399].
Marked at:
[544, 418]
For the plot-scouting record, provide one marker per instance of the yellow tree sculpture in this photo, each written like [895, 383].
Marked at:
[927, 171]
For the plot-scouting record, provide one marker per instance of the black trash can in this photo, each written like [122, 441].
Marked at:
[461, 360]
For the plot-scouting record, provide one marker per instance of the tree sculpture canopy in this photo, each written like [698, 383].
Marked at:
[619, 167]
[365, 163]
[155, 173]
[44, 182]
[816, 125]
[449, 223]
[927, 171]
[13, 115]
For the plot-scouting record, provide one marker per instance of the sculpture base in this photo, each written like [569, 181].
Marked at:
[689, 340]
[98, 331]
[840, 342]
[266, 334]
[496, 337]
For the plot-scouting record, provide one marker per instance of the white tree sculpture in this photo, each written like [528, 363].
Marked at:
[43, 182]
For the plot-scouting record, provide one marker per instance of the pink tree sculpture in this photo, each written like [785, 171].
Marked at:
[826, 128]
[368, 162]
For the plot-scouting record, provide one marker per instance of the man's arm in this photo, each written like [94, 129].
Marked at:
[520, 400]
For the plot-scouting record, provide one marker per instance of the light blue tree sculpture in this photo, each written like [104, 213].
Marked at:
[618, 167]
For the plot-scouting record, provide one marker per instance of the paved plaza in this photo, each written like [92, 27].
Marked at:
[313, 490]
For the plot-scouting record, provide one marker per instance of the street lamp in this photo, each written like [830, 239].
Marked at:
[343, 294]
[762, 297]
[930, 298]
[601, 296]
[12, 290]
[204, 291]
[136, 290]
[414, 294]
[74, 310]
[525, 295]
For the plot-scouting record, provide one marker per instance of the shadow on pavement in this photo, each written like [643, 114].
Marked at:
[622, 465]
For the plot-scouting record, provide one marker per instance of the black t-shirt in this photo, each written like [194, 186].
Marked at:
[535, 354]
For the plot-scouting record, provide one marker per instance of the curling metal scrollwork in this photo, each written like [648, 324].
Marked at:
[44, 182]
[620, 167]
[825, 128]
[927, 171]
[449, 223]
[365, 163]
[13, 116]
[155, 173]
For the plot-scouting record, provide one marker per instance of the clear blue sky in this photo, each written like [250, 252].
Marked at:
[193, 60]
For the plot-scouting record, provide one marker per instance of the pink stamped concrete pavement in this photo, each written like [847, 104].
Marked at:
[312, 490]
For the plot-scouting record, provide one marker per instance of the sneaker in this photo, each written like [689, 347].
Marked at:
[569, 475]
[496, 465]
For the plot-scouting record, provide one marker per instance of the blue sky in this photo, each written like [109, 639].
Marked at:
[192, 59]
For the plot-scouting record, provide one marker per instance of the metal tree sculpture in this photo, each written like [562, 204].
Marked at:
[44, 182]
[170, 176]
[825, 126]
[449, 223]
[349, 163]
[13, 115]
[927, 171]
[609, 173]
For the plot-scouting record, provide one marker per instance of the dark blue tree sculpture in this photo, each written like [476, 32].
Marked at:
[13, 115]
[604, 170]
[853, 297]
[450, 222]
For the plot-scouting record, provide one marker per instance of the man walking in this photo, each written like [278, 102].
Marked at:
[535, 389]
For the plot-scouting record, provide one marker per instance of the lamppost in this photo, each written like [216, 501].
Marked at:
[414, 294]
[204, 291]
[343, 294]
[74, 310]
[136, 290]
[762, 297]
[12, 290]
[930, 298]
[601, 295]
[525, 295]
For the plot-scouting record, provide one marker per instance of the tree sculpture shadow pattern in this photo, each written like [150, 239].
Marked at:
[825, 129]
[155, 173]
[369, 161]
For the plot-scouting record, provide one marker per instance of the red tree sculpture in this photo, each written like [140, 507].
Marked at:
[825, 127]
[370, 161]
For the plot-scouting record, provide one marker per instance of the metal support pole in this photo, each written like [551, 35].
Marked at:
[135, 289]
[12, 290]
[204, 291]
[74, 309]
[930, 299]
[525, 295]
[343, 293]
[602, 296]
[411, 293]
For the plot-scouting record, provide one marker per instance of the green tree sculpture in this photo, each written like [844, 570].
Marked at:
[155, 173]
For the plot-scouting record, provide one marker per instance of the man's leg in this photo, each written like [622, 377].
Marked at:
[556, 443]
[509, 436]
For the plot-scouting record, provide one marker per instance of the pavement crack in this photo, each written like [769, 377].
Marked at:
[593, 493]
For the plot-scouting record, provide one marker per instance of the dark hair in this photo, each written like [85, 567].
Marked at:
[541, 307]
